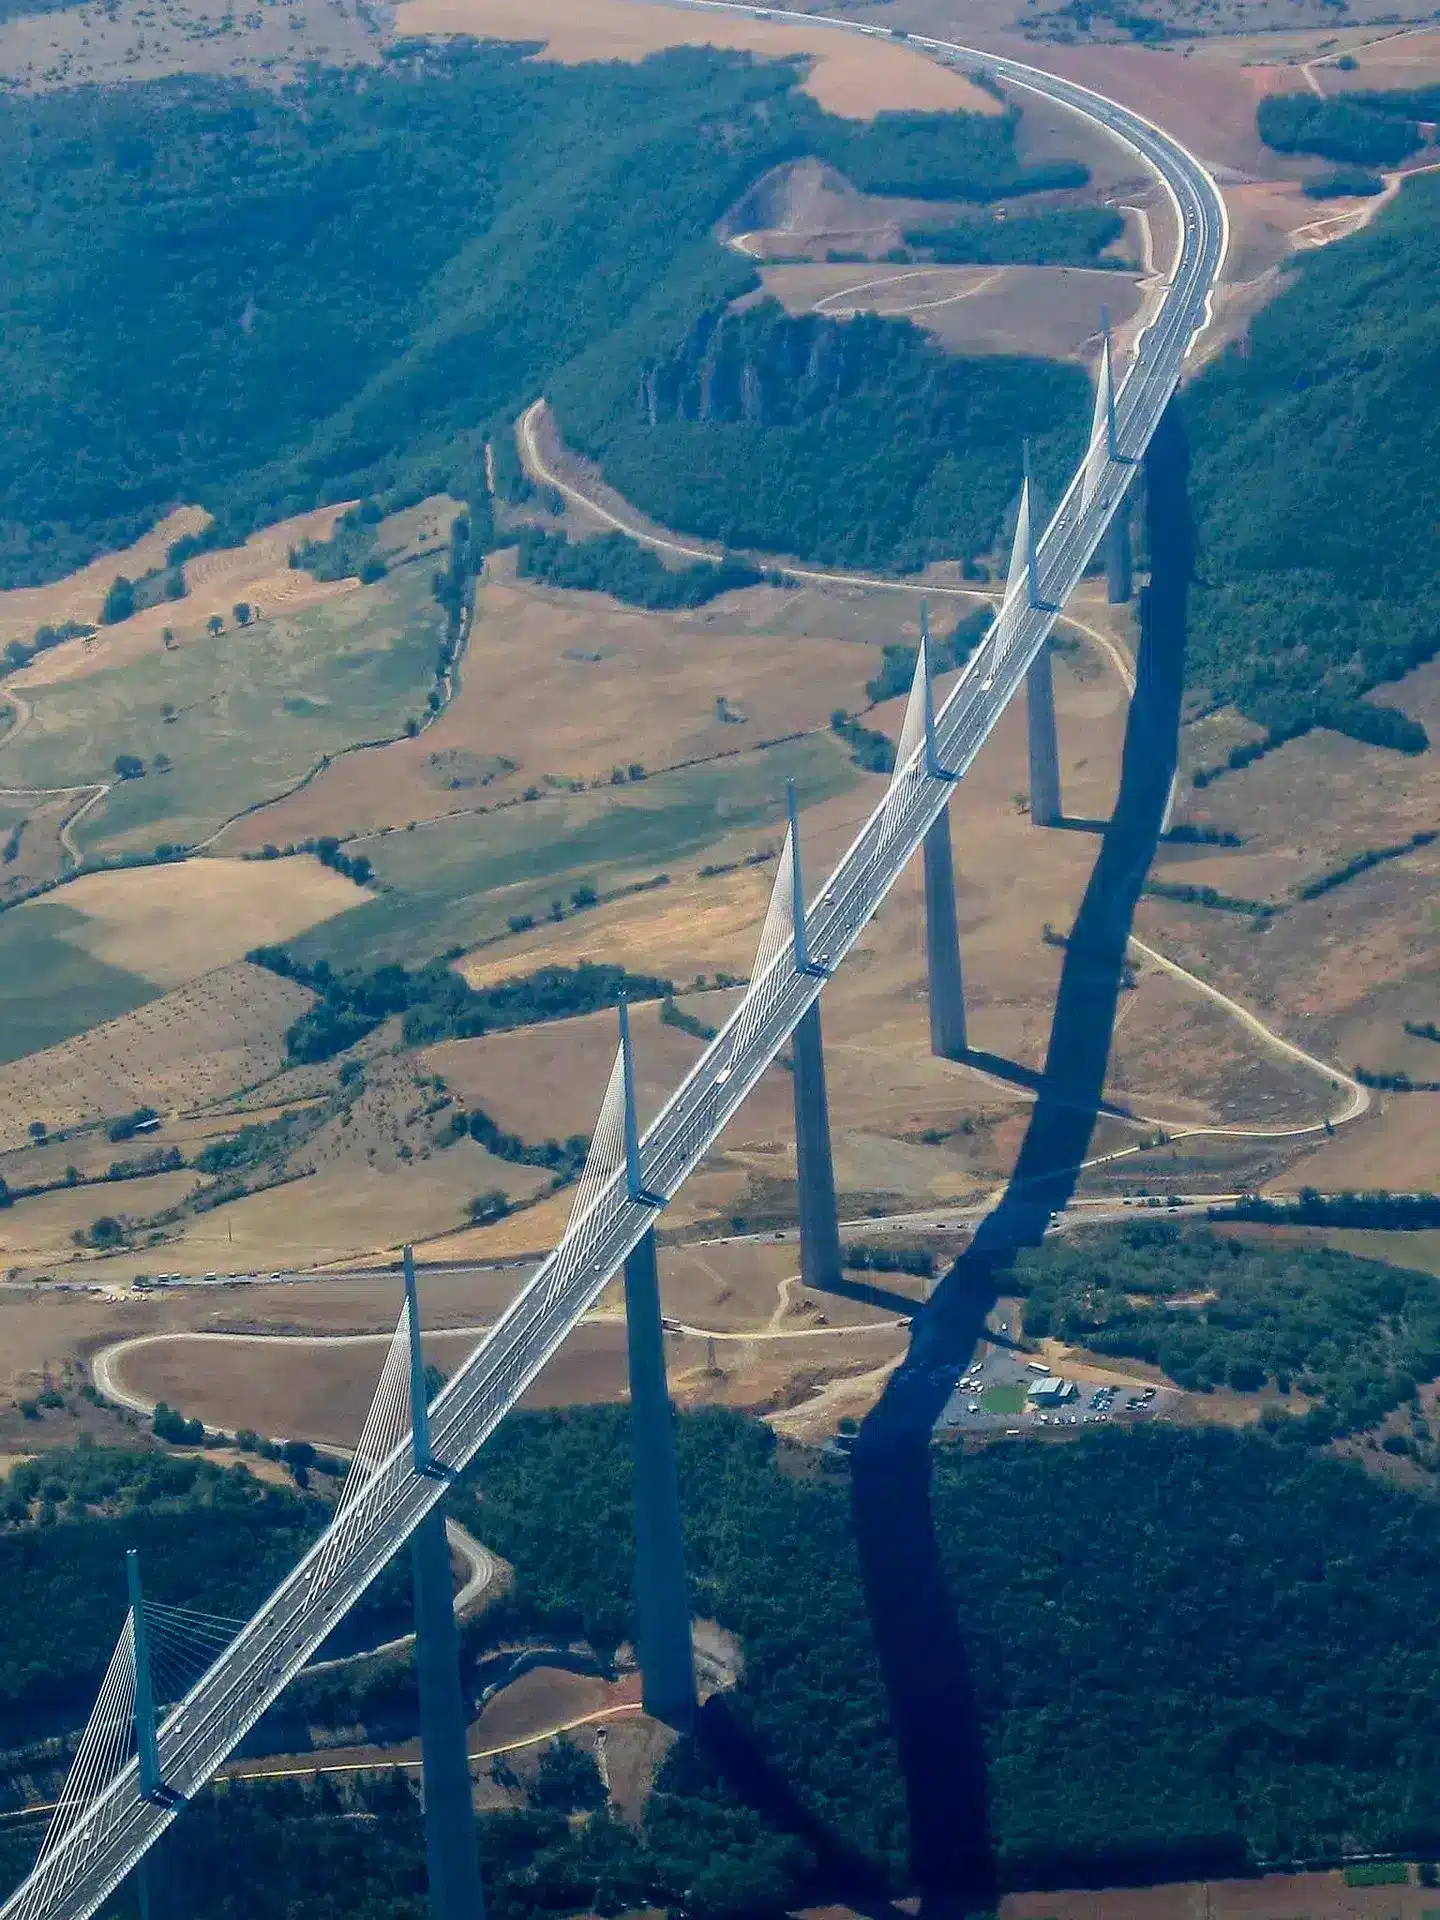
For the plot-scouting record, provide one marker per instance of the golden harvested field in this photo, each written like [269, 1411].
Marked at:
[172, 923]
[569, 685]
[192, 1045]
[81, 595]
[1051, 311]
[256, 573]
[849, 75]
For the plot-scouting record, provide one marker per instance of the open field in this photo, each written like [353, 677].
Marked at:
[1384, 62]
[1052, 312]
[266, 44]
[168, 924]
[563, 687]
[848, 76]
[194, 1044]
[240, 717]
[459, 880]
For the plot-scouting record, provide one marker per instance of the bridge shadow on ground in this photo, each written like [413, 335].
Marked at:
[918, 1635]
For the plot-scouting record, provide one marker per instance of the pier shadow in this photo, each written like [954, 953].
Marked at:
[918, 1635]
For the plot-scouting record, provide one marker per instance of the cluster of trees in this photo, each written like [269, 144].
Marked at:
[564, 1157]
[1344, 182]
[1353, 1336]
[1312, 456]
[1181, 1670]
[19, 653]
[856, 443]
[1387, 1210]
[1191, 896]
[1067, 237]
[1356, 128]
[350, 550]
[938, 156]
[614, 563]
[869, 748]
[437, 1003]
[1360, 863]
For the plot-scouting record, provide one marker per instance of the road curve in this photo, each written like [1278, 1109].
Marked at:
[117, 1827]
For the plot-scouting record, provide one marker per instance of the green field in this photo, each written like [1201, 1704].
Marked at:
[253, 711]
[1004, 1399]
[51, 989]
[451, 884]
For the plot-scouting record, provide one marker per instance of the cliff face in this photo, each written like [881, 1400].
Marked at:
[763, 368]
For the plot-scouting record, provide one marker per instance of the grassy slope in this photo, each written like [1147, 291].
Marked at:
[255, 709]
[51, 989]
[451, 884]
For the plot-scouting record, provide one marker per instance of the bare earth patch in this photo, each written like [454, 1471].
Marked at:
[849, 75]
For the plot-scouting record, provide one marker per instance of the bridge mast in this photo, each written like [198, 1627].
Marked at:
[942, 931]
[451, 1858]
[814, 1166]
[662, 1595]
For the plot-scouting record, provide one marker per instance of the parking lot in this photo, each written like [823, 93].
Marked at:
[992, 1396]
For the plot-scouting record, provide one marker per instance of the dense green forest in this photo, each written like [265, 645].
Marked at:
[1186, 1645]
[213, 1539]
[258, 300]
[1353, 1335]
[1070, 237]
[857, 443]
[1314, 454]
[614, 563]
[1352, 127]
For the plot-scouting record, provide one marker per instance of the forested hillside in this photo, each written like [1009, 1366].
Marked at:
[1183, 1642]
[261, 300]
[1315, 454]
[858, 443]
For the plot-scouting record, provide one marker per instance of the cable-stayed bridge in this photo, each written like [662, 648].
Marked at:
[136, 1768]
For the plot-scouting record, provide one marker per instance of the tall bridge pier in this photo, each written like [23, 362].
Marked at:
[942, 945]
[1043, 743]
[1119, 558]
[814, 1167]
[452, 1858]
[662, 1597]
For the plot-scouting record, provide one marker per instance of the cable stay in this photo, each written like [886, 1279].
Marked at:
[387, 1420]
[183, 1644]
[104, 1749]
[1104, 435]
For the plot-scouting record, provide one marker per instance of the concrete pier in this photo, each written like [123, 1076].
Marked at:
[451, 1857]
[942, 945]
[1044, 746]
[662, 1594]
[819, 1227]
[1119, 562]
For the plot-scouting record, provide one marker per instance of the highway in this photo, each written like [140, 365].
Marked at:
[198, 1734]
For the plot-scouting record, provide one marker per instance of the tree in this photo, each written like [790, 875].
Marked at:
[215, 625]
[168, 636]
[488, 1207]
[243, 612]
[119, 601]
[129, 766]
[37, 1131]
[161, 763]
[5, 1198]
